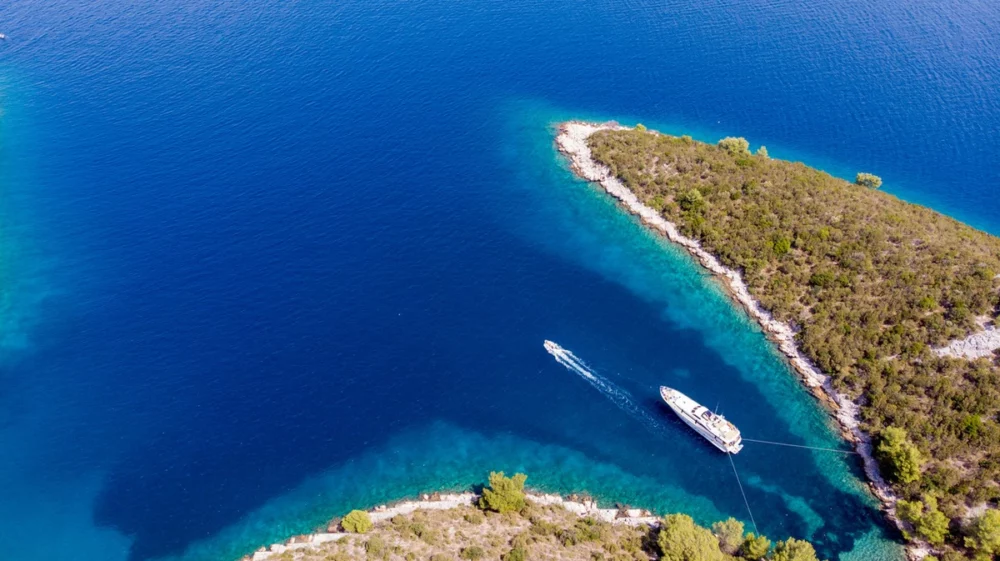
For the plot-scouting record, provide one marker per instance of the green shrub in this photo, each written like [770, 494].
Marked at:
[521, 540]
[754, 547]
[692, 200]
[375, 547]
[357, 522]
[681, 539]
[473, 553]
[822, 279]
[933, 527]
[929, 522]
[729, 534]
[400, 523]
[589, 529]
[542, 528]
[735, 145]
[927, 303]
[568, 537]
[505, 494]
[430, 537]
[516, 553]
[419, 529]
[794, 550]
[909, 511]
[474, 517]
[972, 425]
[899, 458]
[868, 180]
[782, 245]
[984, 536]
[583, 530]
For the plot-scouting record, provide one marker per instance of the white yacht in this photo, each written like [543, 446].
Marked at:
[715, 428]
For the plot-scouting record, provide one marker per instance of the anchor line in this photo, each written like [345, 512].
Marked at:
[800, 446]
[745, 501]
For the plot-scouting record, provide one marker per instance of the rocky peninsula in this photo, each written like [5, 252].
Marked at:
[460, 505]
[690, 192]
[572, 141]
[505, 522]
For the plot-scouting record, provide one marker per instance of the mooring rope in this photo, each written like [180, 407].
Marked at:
[745, 501]
[800, 446]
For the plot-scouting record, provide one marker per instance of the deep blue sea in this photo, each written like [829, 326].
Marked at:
[264, 262]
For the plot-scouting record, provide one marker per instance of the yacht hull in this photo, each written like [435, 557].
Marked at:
[713, 428]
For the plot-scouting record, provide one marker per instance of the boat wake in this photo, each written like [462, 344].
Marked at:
[609, 389]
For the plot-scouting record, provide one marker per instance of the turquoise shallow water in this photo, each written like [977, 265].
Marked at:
[574, 222]
[265, 263]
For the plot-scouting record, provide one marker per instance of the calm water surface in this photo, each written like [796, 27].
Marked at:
[267, 262]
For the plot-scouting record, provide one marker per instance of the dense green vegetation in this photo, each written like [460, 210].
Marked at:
[868, 180]
[680, 539]
[899, 458]
[985, 534]
[357, 521]
[928, 522]
[870, 283]
[505, 494]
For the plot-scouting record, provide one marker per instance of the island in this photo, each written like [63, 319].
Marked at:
[887, 309]
[506, 523]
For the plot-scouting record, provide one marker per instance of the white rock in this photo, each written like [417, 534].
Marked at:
[326, 537]
[981, 344]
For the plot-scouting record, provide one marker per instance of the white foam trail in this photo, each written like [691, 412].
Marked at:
[615, 394]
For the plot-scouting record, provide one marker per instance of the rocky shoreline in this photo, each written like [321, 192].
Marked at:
[581, 506]
[572, 142]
